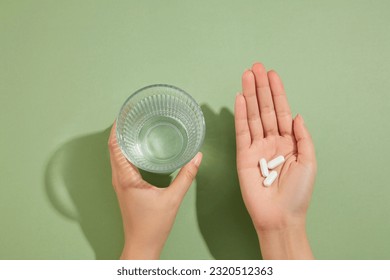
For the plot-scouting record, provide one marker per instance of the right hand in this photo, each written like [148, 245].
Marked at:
[265, 129]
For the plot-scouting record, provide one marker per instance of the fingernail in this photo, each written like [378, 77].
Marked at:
[299, 116]
[197, 159]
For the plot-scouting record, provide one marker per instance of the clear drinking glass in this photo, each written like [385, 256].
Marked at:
[160, 128]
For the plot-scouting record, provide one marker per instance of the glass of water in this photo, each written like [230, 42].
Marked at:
[160, 128]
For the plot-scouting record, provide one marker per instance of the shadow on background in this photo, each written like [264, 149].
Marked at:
[223, 219]
[78, 184]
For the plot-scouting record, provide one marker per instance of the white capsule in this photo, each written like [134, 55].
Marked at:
[275, 162]
[270, 179]
[263, 167]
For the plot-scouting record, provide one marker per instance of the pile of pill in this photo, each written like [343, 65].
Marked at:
[265, 167]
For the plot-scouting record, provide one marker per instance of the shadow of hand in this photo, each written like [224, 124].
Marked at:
[223, 219]
[78, 184]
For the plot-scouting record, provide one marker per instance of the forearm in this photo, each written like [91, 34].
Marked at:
[288, 243]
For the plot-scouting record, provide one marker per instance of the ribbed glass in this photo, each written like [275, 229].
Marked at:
[160, 128]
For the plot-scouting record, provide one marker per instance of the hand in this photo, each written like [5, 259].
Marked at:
[148, 212]
[265, 129]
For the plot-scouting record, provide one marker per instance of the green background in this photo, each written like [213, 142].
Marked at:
[66, 67]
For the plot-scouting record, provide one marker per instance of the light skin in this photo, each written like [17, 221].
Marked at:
[148, 212]
[265, 129]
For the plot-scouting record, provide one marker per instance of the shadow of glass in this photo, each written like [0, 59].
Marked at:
[223, 219]
[78, 184]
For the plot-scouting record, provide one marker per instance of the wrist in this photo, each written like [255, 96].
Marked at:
[139, 250]
[289, 242]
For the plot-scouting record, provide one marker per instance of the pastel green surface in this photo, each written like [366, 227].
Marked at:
[66, 67]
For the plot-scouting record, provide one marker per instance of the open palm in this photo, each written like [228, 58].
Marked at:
[266, 129]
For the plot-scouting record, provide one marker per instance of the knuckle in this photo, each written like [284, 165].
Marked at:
[125, 180]
[241, 128]
[111, 143]
[265, 89]
[242, 132]
[271, 131]
[253, 116]
[190, 173]
[267, 109]
[284, 114]
[122, 182]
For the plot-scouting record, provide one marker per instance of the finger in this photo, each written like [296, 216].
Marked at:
[305, 146]
[243, 137]
[283, 112]
[112, 137]
[249, 91]
[186, 176]
[119, 163]
[264, 96]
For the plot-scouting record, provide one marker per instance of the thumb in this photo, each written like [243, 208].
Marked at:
[186, 176]
[305, 146]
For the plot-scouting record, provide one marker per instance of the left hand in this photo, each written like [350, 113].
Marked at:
[148, 212]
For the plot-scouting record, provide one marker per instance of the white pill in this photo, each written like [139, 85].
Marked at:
[270, 179]
[275, 162]
[263, 167]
